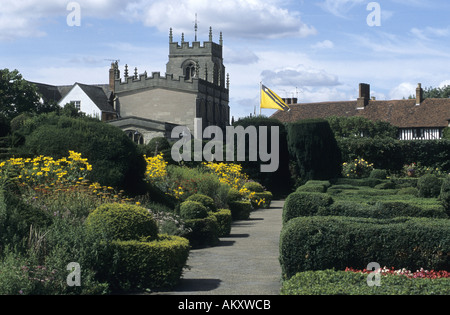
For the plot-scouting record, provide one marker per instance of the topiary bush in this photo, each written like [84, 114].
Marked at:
[254, 186]
[224, 220]
[319, 243]
[378, 174]
[123, 222]
[300, 204]
[193, 210]
[155, 265]
[444, 196]
[240, 210]
[429, 186]
[314, 150]
[207, 201]
[203, 232]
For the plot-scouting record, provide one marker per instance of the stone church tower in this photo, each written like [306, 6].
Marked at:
[194, 86]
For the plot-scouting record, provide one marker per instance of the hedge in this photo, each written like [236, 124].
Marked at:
[193, 210]
[240, 210]
[207, 201]
[313, 150]
[151, 265]
[203, 232]
[319, 243]
[266, 196]
[224, 220]
[331, 282]
[122, 222]
[304, 204]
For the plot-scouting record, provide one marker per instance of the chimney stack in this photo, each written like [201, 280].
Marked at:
[419, 94]
[364, 95]
[113, 75]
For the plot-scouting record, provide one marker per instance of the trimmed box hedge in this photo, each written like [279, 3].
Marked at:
[224, 220]
[331, 282]
[319, 243]
[305, 204]
[154, 265]
[203, 232]
[240, 210]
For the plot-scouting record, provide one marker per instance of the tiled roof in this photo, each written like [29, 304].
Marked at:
[98, 95]
[400, 113]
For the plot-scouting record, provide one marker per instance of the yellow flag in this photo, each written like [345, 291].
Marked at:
[271, 100]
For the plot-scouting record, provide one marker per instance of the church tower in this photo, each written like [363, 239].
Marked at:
[197, 61]
[194, 86]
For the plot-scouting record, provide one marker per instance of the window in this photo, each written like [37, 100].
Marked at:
[190, 71]
[135, 136]
[77, 104]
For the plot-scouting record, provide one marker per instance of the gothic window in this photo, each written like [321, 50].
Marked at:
[135, 136]
[190, 71]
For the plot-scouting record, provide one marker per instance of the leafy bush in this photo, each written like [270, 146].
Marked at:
[224, 220]
[409, 191]
[332, 282]
[114, 157]
[154, 265]
[207, 201]
[378, 174]
[123, 222]
[429, 186]
[254, 186]
[359, 168]
[262, 199]
[300, 204]
[444, 196]
[193, 210]
[203, 232]
[240, 210]
[313, 149]
[319, 243]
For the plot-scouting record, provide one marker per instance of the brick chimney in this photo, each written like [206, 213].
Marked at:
[419, 94]
[114, 74]
[364, 96]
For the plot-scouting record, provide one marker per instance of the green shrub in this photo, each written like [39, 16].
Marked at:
[193, 210]
[114, 157]
[409, 191]
[386, 185]
[429, 186]
[444, 196]
[378, 174]
[319, 243]
[224, 220]
[300, 204]
[240, 210]
[266, 198]
[254, 186]
[360, 182]
[207, 201]
[314, 150]
[233, 195]
[312, 188]
[203, 232]
[123, 222]
[332, 282]
[154, 265]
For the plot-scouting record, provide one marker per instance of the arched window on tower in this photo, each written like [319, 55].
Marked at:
[190, 71]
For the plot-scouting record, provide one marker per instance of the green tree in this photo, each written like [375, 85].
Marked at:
[431, 92]
[16, 94]
[349, 127]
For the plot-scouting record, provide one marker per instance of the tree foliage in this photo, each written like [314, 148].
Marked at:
[19, 96]
[359, 127]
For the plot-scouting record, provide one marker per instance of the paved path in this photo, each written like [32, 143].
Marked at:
[245, 263]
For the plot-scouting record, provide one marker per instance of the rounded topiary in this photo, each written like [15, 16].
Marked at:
[123, 222]
[193, 210]
[233, 195]
[254, 186]
[207, 201]
[429, 186]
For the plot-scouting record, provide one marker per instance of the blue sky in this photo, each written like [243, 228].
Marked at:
[314, 50]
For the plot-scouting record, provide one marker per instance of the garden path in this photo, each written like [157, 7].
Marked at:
[245, 263]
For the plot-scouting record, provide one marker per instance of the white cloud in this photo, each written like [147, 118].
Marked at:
[301, 76]
[339, 8]
[326, 44]
[241, 56]
[403, 90]
[240, 18]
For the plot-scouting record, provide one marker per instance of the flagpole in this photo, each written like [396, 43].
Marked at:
[260, 98]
